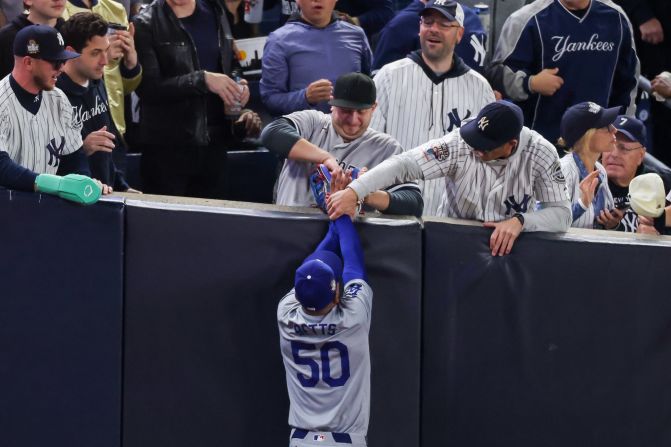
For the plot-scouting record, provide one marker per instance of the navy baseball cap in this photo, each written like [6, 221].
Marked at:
[496, 124]
[42, 42]
[354, 91]
[580, 118]
[316, 279]
[448, 8]
[631, 128]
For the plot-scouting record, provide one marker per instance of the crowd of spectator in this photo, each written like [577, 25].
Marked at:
[348, 85]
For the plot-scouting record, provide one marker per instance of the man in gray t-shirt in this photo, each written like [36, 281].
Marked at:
[342, 141]
[324, 323]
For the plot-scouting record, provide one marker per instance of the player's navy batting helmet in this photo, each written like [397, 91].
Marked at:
[316, 279]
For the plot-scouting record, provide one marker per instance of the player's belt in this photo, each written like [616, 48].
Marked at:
[344, 438]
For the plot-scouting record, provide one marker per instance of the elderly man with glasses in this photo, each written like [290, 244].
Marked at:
[427, 94]
[624, 163]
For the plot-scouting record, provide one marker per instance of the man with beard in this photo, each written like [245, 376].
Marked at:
[427, 94]
[37, 135]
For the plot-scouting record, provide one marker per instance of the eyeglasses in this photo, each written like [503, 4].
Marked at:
[441, 24]
[57, 64]
[622, 148]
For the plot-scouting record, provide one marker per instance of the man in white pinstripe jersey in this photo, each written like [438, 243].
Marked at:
[428, 93]
[36, 126]
[501, 173]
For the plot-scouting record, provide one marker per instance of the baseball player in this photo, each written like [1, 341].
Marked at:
[36, 129]
[428, 94]
[341, 141]
[498, 171]
[324, 323]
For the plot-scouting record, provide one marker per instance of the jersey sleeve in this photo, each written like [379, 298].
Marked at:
[357, 298]
[627, 71]
[307, 122]
[549, 180]
[438, 158]
[515, 58]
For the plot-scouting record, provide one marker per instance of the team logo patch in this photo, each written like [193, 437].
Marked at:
[55, 151]
[33, 47]
[556, 173]
[353, 290]
[483, 123]
[439, 152]
[319, 438]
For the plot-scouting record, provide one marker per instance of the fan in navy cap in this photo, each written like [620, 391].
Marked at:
[587, 130]
[494, 133]
[495, 169]
[625, 163]
[450, 9]
[324, 324]
[41, 50]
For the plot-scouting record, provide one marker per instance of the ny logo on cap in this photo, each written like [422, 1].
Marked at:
[60, 39]
[33, 47]
[440, 2]
[483, 123]
[593, 107]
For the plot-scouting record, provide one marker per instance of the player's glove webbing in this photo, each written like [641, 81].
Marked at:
[73, 187]
[320, 184]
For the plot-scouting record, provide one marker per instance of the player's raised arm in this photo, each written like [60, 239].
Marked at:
[282, 137]
[352, 253]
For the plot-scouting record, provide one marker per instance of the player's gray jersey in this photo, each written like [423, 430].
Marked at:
[369, 150]
[572, 175]
[485, 191]
[37, 142]
[327, 362]
[413, 109]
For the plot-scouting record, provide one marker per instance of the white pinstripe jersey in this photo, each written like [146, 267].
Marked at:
[572, 175]
[493, 191]
[413, 109]
[37, 142]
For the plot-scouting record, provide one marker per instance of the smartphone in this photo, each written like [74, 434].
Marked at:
[114, 27]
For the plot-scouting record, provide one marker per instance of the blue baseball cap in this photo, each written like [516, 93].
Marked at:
[42, 42]
[496, 124]
[631, 128]
[448, 8]
[580, 118]
[316, 279]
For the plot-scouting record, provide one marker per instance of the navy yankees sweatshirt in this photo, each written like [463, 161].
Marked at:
[90, 110]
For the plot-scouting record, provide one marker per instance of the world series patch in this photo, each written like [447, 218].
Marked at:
[439, 152]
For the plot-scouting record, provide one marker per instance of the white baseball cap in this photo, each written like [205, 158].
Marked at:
[646, 195]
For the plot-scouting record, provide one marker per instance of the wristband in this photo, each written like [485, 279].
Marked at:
[520, 217]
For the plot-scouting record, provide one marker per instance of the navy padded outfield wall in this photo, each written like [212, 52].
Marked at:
[202, 364]
[566, 342]
[61, 270]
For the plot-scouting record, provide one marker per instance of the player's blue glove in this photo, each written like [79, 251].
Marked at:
[320, 184]
[73, 187]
